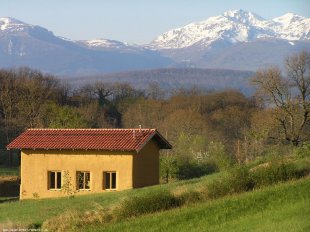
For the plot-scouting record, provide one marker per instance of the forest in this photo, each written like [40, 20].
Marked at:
[209, 130]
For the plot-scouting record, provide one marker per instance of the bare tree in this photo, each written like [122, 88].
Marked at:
[290, 96]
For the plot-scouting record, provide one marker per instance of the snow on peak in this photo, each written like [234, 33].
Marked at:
[234, 26]
[292, 27]
[103, 43]
[241, 15]
[288, 18]
[8, 23]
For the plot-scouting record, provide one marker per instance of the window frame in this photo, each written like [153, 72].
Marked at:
[55, 180]
[84, 181]
[110, 180]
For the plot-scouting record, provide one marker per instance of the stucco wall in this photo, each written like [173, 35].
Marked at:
[146, 166]
[35, 165]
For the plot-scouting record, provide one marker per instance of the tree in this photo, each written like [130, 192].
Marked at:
[35, 89]
[290, 96]
[168, 165]
[55, 116]
[8, 101]
[67, 186]
[99, 94]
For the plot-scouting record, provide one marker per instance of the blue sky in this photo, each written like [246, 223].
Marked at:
[134, 21]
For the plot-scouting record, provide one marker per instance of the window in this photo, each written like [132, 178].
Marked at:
[82, 180]
[54, 180]
[109, 180]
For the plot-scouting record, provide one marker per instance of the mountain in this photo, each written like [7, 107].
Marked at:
[236, 40]
[106, 44]
[22, 44]
[233, 27]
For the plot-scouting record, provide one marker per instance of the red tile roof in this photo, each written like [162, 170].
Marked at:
[88, 139]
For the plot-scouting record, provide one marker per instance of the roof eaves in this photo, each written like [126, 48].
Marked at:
[150, 138]
[145, 142]
[165, 140]
[53, 148]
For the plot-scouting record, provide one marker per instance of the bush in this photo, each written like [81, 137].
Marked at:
[218, 188]
[72, 220]
[276, 171]
[238, 180]
[63, 222]
[303, 151]
[190, 197]
[241, 179]
[194, 170]
[153, 202]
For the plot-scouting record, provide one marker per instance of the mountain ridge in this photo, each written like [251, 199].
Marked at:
[23, 44]
[236, 39]
[234, 26]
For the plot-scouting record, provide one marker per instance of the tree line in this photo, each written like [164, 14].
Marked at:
[208, 130]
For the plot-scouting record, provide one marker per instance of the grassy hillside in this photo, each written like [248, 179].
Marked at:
[216, 202]
[35, 212]
[285, 207]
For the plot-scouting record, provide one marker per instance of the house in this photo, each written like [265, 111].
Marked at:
[54, 161]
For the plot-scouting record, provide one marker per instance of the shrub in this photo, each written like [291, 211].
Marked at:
[190, 197]
[238, 180]
[218, 155]
[63, 222]
[72, 220]
[67, 186]
[218, 188]
[168, 166]
[241, 179]
[278, 171]
[194, 170]
[153, 202]
[303, 151]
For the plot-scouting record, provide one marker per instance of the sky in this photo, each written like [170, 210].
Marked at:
[134, 21]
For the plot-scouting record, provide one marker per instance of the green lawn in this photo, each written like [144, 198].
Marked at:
[9, 171]
[285, 207]
[36, 211]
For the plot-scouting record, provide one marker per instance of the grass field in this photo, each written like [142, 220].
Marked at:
[34, 212]
[285, 207]
[282, 207]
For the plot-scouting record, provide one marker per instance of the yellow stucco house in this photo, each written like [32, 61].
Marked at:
[57, 162]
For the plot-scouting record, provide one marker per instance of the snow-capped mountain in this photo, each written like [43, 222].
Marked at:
[237, 39]
[12, 25]
[233, 27]
[112, 45]
[22, 44]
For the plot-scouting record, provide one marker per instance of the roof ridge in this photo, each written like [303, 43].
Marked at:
[92, 129]
[110, 139]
